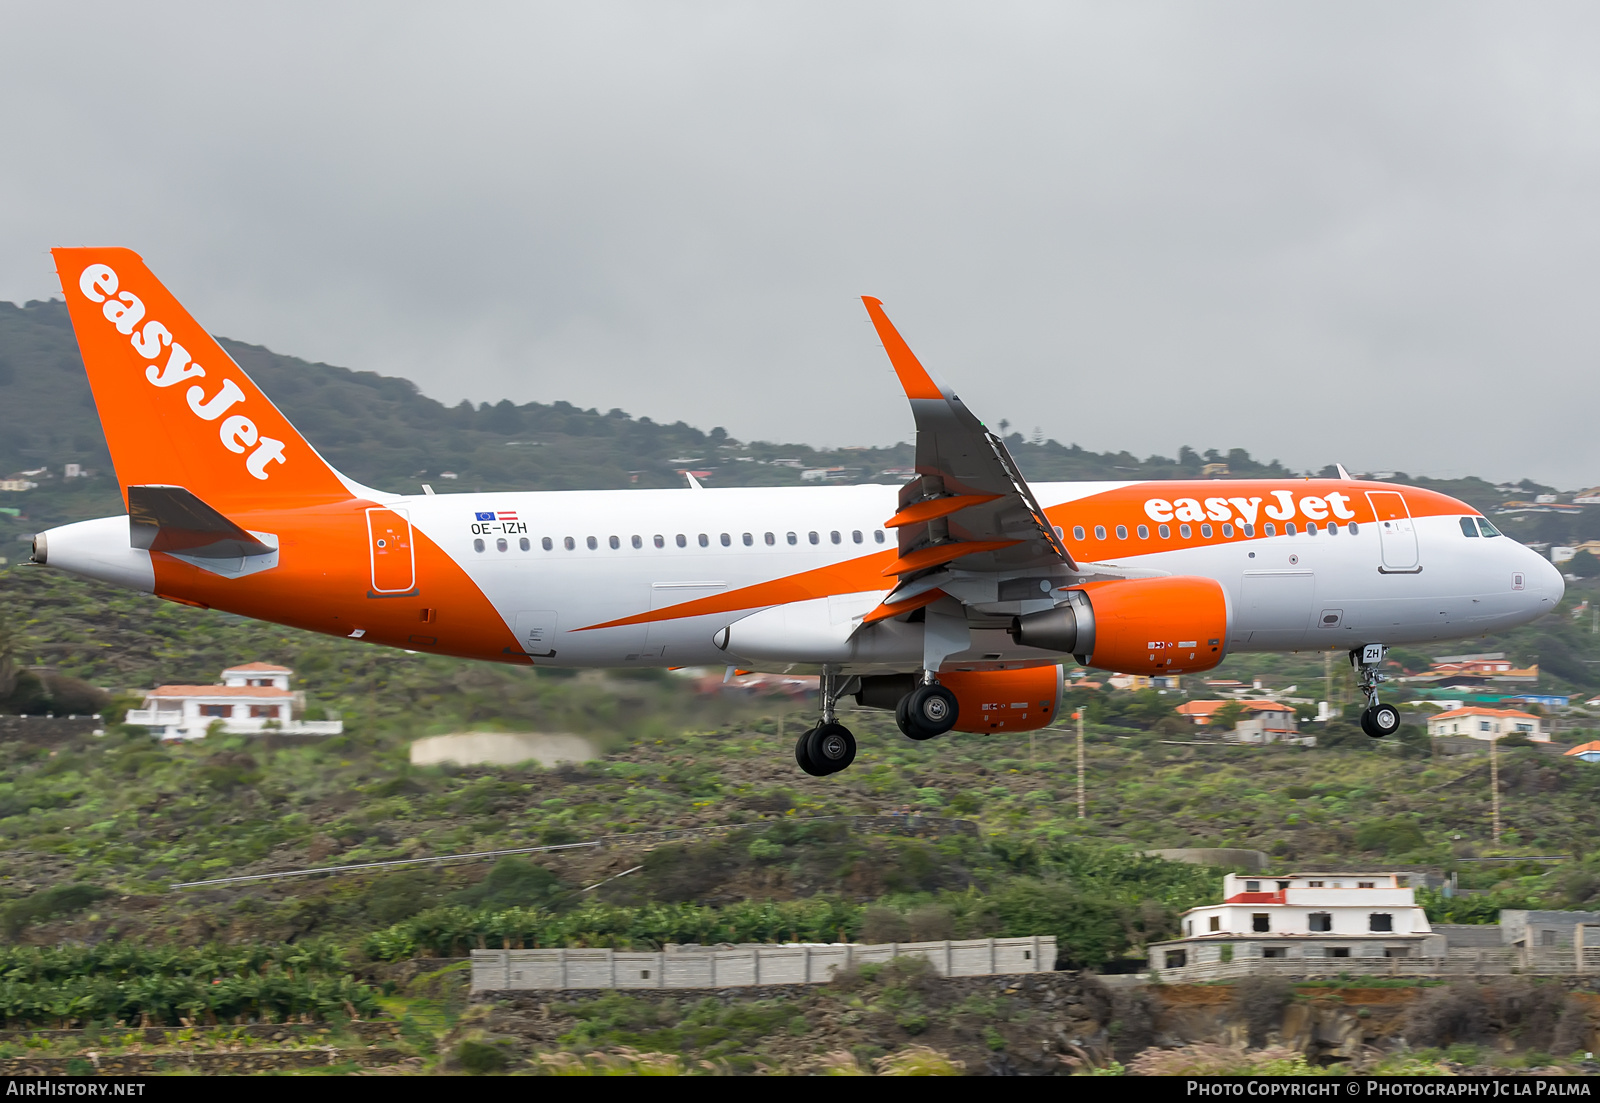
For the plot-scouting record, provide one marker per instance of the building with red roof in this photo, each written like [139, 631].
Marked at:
[1481, 722]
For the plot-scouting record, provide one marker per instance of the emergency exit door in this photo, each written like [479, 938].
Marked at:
[1397, 535]
[394, 563]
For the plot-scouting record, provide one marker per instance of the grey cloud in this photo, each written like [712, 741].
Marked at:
[1357, 232]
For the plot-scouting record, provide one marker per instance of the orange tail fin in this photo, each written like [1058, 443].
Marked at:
[175, 408]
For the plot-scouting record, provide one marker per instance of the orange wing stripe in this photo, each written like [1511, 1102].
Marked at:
[885, 611]
[932, 556]
[913, 376]
[935, 508]
[850, 577]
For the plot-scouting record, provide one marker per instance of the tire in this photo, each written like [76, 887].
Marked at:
[830, 747]
[802, 753]
[1380, 720]
[930, 711]
[902, 719]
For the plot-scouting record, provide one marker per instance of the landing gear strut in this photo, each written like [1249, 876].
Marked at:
[829, 747]
[1377, 719]
[927, 711]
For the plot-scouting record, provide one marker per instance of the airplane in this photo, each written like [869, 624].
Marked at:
[953, 600]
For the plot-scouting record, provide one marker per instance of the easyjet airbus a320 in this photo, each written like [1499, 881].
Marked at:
[952, 600]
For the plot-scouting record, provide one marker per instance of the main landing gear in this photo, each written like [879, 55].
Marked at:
[1377, 719]
[829, 747]
[927, 711]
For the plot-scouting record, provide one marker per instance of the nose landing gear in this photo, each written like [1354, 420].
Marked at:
[829, 747]
[1377, 720]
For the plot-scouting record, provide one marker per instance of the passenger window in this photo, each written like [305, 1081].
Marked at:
[749, 540]
[477, 545]
[1333, 528]
[1271, 529]
[705, 541]
[815, 539]
[1288, 530]
[855, 535]
[523, 544]
[1058, 532]
[1122, 532]
[727, 541]
[1227, 530]
[1351, 528]
[500, 544]
[771, 539]
[683, 541]
[661, 541]
[593, 543]
[615, 543]
[1488, 529]
[1311, 528]
[1077, 532]
[792, 538]
[638, 541]
[1469, 527]
[834, 536]
[569, 543]
[1144, 532]
[1185, 531]
[546, 544]
[1099, 532]
[1248, 530]
[1205, 531]
[1165, 532]
[877, 536]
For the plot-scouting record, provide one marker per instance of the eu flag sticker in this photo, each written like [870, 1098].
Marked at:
[485, 516]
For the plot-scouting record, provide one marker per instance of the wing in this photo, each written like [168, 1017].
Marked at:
[967, 521]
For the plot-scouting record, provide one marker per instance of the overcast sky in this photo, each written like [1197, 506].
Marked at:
[1348, 232]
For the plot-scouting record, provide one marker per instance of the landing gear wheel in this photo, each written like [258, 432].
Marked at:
[1380, 720]
[927, 711]
[830, 747]
[802, 753]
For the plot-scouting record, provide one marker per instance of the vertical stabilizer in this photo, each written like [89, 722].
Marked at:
[176, 409]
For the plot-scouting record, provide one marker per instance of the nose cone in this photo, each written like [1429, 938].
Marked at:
[1545, 583]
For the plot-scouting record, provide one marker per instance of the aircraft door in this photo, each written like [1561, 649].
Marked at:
[1397, 534]
[394, 563]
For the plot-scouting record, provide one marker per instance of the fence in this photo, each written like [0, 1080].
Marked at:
[513, 970]
[1568, 961]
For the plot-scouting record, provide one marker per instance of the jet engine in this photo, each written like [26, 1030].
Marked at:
[1135, 626]
[988, 700]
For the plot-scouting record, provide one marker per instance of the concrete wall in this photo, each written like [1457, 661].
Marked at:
[1517, 926]
[511, 970]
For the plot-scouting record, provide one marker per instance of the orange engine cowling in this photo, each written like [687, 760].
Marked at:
[1005, 700]
[1135, 626]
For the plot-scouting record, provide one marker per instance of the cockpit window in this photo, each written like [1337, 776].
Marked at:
[1468, 528]
[1488, 529]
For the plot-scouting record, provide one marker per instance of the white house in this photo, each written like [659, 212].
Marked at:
[1303, 915]
[1479, 722]
[252, 698]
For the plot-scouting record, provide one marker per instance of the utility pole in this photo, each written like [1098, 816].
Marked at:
[1494, 781]
[1083, 808]
[1327, 680]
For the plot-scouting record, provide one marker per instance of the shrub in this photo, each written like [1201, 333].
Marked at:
[919, 1061]
[480, 1057]
[1447, 1016]
[58, 900]
[1214, 1059]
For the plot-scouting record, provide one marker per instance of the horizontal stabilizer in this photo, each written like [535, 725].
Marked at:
[171, 519]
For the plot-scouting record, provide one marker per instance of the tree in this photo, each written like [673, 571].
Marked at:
[1227, 716]
[1584, 565]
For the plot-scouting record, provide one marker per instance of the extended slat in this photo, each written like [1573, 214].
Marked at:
[935, 554]
[934, 508]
